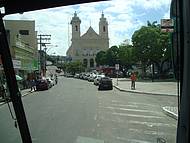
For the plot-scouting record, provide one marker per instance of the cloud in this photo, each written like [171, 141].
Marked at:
[151, 4]
[123, 16]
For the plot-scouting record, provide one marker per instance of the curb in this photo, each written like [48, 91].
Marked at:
[140, 92]
[169, 113]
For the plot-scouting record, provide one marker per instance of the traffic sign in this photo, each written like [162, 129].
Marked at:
[167, 25]
[117, 66]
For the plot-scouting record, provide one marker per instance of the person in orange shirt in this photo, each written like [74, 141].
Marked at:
[133, 79]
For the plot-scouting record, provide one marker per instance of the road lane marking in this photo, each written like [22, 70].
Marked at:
[147, 132]
[144, 104]
[127, 109]
[116, 101]
[134, 115]
[125, 105]
[131, 140]
[151, 124]
[111, 120]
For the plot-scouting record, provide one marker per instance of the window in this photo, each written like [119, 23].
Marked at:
[85, 62]
[104, 28]
[76, 27]
[91, 63]
[24, 32]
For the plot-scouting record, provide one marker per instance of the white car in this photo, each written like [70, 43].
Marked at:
[50, 82]
[97, 79]
[91, 77]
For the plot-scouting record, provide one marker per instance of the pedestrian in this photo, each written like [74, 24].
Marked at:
[32, 84]
[133, 79]
[56, 80]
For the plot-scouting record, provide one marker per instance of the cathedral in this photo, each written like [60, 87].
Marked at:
[85, 47]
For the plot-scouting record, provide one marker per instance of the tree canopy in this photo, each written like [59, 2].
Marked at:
[151, 45]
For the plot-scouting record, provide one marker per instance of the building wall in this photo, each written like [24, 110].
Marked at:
[22, 39]
[86, 47]
[15, 27]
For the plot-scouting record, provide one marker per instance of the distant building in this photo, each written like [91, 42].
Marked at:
[22, 39]
[84, 48]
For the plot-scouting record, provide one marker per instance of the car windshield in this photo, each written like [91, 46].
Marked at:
[130, 41]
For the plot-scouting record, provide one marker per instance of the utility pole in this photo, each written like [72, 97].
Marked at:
[44, 40]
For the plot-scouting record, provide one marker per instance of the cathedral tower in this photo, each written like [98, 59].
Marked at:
[103, 27]
[75, 22]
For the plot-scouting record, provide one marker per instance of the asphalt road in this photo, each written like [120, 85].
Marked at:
[74, 111]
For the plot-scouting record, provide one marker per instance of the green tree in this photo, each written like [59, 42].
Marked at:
[74, 67]
[101, 58]
[151, 46]
[125, 55]
[153, 24]
[165, 43]
[112, 56]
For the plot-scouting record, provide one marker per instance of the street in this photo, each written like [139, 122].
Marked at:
[74, 111]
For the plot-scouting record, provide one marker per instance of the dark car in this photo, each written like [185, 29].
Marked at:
[105, 83]
[42, 84]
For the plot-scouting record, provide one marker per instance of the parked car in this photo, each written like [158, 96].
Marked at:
[105, 83]
[76, 75]
[42, 84]
[69, 75]
[51, 81]
[91, 77]
[85, 76]
[81, 76]
[98, 77]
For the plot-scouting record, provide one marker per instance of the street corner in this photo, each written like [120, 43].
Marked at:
[171, 111]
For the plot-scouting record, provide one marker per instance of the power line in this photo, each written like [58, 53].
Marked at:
[43, 40]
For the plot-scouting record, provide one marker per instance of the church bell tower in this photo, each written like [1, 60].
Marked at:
[103, 27]
[75, 22]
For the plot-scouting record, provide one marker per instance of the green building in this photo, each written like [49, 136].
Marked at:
[22, 39]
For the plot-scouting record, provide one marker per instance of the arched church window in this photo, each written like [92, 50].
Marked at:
[91, 62]
[76, 27]
[85, 62]
[104, 28]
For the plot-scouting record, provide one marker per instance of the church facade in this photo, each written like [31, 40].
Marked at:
[85, 47]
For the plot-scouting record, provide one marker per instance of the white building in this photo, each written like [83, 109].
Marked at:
[84, 48]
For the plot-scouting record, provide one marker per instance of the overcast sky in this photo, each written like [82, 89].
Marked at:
[123, 16]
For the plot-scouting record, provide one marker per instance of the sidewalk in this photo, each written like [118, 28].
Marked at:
[150, 88]
[23, 93]
[153, 88]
